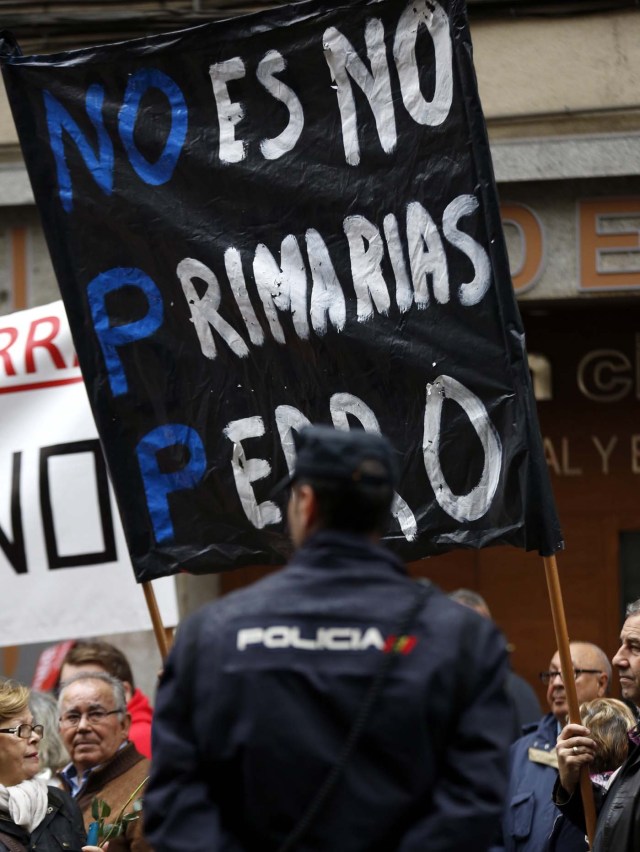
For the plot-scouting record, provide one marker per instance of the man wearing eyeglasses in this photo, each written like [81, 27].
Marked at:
[94, 726]
[618, 825]
[530, 817]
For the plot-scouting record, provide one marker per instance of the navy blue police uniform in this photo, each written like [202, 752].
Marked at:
[260, 690]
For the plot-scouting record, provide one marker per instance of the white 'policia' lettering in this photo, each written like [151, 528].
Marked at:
[325, 638]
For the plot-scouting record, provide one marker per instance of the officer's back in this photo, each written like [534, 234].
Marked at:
[262, 689]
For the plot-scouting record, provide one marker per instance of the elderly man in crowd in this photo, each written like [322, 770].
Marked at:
[530, 813]
[94, 725]
[95, 655]
[618, 825]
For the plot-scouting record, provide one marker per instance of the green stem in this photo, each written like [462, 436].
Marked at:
[118, 821]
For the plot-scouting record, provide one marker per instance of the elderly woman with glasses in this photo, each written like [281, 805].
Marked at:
[32, 815]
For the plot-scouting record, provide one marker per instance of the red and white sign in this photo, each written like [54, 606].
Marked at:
[64, 567]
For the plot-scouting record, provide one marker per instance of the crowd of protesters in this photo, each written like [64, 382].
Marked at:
[336, 705]
[74, 762]
[91, 750]
[543, 809]
[96, 743]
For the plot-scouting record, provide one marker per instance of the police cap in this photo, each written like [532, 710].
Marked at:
[355, 456]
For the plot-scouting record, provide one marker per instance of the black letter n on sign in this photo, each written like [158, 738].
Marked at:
[56, 560]
[15, 550]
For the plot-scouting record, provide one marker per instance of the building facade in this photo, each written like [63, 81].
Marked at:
[559, 86]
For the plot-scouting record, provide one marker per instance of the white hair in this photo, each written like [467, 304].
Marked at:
[117, 687]
[633, 608]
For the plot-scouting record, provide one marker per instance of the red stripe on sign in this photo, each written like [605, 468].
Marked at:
[40, 385]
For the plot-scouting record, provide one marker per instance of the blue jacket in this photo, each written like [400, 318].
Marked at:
[261, 687]
[532, 823]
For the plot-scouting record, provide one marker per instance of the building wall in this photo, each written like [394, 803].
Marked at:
[533, 72]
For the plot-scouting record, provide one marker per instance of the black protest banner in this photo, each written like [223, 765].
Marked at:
[285, 218]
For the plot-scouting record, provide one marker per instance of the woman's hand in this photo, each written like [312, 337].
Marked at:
[96, 848]
[574, 749]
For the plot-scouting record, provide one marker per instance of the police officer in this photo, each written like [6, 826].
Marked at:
[336, 705]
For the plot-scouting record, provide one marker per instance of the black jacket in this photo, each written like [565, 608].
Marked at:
[261, 687]
[618, 826]
[62, 829]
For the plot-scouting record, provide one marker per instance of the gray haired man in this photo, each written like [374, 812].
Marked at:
[618, 824]
[94, 726]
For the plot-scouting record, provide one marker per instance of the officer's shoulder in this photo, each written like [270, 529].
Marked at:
[519, 749]
[528, 732]
[542, 730]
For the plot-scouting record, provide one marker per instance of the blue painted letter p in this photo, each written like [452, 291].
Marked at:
[157, 484]
[112, 337]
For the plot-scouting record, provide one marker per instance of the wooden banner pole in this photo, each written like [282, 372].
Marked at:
[164, 637]
[568, 679]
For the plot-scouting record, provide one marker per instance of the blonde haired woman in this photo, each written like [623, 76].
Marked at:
[609, 722]
[32, 815]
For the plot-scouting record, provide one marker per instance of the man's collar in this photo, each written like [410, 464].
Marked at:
[74, 780]
[78, 781]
